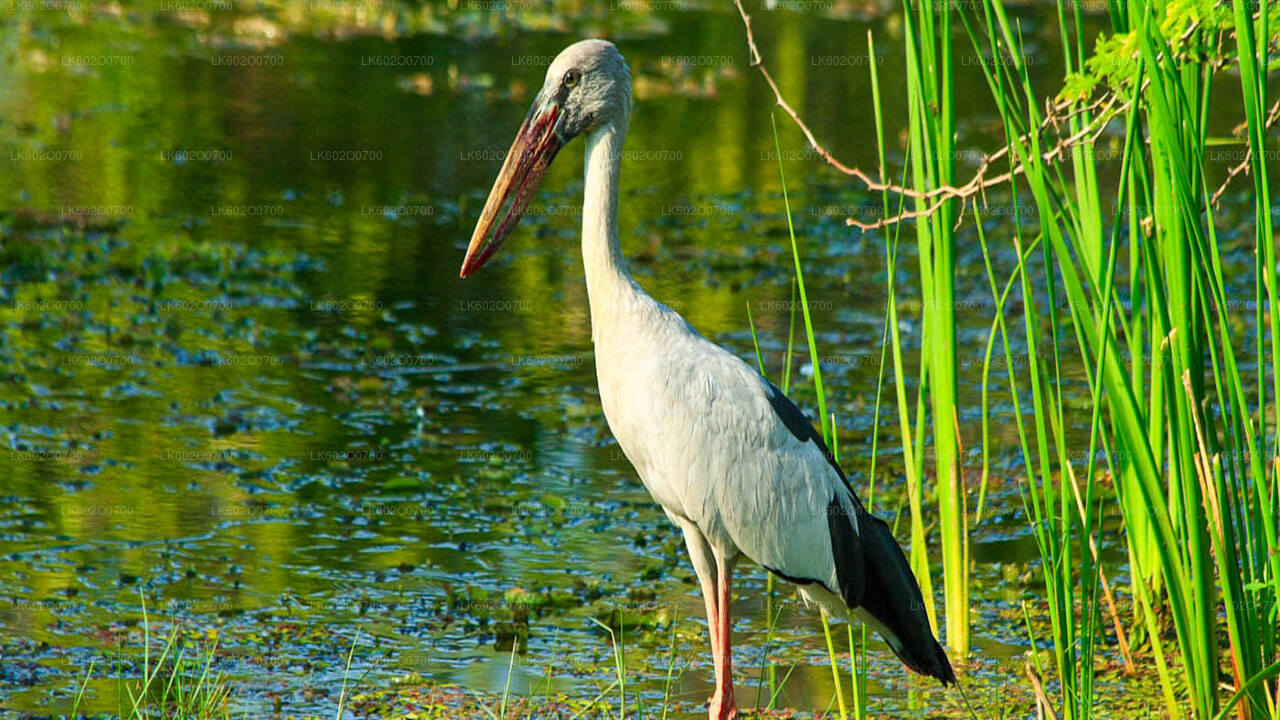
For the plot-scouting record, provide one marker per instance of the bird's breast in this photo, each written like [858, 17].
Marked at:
[641, 408]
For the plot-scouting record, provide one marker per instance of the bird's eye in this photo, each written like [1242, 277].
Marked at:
[572, 78]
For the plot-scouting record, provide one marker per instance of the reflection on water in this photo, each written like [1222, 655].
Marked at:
[243, 381]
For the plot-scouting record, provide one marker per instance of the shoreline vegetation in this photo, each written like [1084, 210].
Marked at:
[1186, 432]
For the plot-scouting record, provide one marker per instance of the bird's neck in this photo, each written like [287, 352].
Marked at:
[608, 285]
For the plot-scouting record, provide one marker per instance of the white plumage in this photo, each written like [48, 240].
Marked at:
[696, 423]
[734, 464]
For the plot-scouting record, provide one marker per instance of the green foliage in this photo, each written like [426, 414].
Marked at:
[1196, 32]
[1113, 65]
[1185, 433]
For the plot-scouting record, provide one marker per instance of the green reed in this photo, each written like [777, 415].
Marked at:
[1130, 294]
[931, 150]
[1182, 426]
[828, 427]
[1121, 283]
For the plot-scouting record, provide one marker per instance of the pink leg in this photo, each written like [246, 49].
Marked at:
[704, 565]
[713, 623]
[722, 704]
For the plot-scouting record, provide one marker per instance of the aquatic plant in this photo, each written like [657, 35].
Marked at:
[1180, 419]
[179, 682]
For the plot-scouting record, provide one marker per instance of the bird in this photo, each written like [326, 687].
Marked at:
[733, 463]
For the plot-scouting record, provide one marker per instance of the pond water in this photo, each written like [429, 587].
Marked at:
[243, 383]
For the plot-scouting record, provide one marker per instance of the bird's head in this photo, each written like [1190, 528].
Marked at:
[587, 86]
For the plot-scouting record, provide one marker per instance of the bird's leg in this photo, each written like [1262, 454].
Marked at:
[722, 704]
[704, 566]
[709, 599]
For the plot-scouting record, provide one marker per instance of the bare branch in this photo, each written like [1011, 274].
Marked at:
[1244, 165]
[1101, 112]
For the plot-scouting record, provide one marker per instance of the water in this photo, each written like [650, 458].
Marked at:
[243, 383]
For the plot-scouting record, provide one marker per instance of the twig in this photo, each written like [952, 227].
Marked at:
[1105, 107]
[980, 183]
[1245, 164]
[1042, 700]
[941, 194]
[1125, 653]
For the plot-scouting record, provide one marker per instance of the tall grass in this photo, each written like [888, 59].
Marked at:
[1180, 419]
[940, 340]
[1121, 282]
[828, 426]
[932, 143]
[856, 645]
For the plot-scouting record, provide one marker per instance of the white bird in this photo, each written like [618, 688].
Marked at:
[734, 463]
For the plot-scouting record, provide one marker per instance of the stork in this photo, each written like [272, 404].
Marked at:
[736, 466]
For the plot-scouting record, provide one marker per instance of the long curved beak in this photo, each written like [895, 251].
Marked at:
[527, 161]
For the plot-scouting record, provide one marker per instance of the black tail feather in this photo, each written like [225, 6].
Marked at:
[887, 590]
